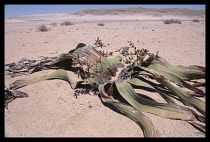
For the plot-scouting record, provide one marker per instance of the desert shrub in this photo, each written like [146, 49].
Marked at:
[176, 21]
[167, 22]
[54, 24]
[43, 28]
[100, 24]
[67, 23]
[172, 21]
[195, 20]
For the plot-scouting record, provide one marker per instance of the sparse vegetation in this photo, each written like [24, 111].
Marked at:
[100, 24]
[54, 24]
[67, 23]
[43, 28]
[172, 21]
[195, 20]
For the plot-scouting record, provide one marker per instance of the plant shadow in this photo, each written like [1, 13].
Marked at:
[82, 89]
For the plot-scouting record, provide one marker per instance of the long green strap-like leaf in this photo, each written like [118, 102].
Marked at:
[181, 82]
[130, 112]
[136, 116]
[161, 109]
[61, 58]
[105, 62]
[166, 73]
[71, 54]
[184, 98]
[59, 74]
[138, 82]
[160, 64]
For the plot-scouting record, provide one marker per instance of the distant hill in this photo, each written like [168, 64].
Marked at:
[144, 11]
[120, 13]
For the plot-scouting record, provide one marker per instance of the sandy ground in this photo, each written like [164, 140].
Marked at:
[52, 110]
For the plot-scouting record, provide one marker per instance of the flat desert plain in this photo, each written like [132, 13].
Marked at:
[52, 110]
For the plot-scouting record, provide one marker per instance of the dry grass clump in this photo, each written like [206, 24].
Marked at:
[54, 24]
[100, 24]
[67, 23]
[43, 28]
[172, 21]
[195, 20]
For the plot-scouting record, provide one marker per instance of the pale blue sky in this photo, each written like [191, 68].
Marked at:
[18, 10]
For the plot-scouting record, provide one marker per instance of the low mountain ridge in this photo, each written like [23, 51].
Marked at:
[118, 13]
[144, 11]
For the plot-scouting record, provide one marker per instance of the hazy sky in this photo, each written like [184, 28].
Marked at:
[18, 10]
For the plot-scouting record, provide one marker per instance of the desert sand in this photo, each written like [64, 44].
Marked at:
[52, 110]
